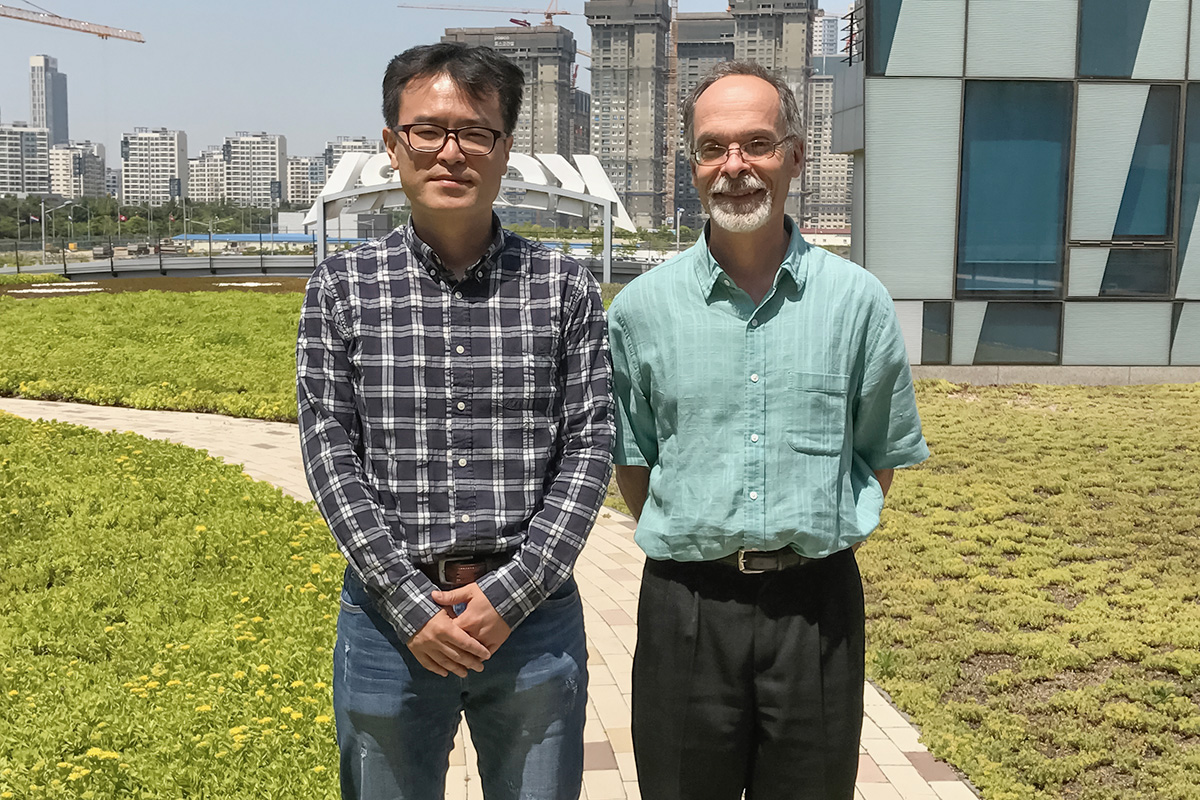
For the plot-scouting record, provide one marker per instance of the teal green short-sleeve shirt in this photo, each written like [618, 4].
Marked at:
[762, 426]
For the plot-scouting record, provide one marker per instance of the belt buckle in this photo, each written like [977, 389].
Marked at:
[441, 566]
[741, 563]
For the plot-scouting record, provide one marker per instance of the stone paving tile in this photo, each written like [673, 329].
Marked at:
[894, 766]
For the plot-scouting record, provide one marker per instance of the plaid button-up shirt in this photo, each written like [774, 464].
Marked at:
[442, 418]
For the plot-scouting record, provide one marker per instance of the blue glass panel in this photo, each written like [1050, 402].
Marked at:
[935, 336]
[882, 17]
[1191, 172]
[1110, 32]
[1137, 273]
[1019, 333]
[1146, 204]
[1013, 200]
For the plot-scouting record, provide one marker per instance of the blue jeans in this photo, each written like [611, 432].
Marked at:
[396, 720]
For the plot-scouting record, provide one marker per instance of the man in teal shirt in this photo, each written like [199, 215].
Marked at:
[764, 399]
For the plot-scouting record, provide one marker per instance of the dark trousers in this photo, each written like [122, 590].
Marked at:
[749, 682]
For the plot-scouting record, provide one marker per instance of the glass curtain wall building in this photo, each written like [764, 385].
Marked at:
[1027, 192]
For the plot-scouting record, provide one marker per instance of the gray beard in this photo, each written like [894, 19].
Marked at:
[743, 221]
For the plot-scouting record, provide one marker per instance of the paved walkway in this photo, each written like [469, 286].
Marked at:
[893, 764]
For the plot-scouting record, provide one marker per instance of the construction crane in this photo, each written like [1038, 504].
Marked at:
[46, 18]
[550, 12]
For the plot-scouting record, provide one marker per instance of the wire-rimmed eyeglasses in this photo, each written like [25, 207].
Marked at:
[712, 154]
[425, 137]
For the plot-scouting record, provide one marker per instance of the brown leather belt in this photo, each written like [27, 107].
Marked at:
[753, 562]
[453, 572]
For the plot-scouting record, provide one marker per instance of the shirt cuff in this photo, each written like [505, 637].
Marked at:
[409, 605]
[511, 592]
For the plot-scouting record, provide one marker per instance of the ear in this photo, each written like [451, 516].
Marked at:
[508, 143]
[391, 141]
[796, 154]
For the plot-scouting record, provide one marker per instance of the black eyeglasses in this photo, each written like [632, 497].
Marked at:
[711, 154]
[425, 137]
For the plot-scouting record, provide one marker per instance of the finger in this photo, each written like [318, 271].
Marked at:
[446, 662]
[466, 643]
[451, 598]
[429, 664]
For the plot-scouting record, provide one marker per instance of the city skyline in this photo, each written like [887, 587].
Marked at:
[195, 72]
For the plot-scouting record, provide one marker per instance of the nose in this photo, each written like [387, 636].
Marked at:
[448, 154]
[734, 163]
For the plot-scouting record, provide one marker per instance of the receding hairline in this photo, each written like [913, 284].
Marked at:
[781, 115]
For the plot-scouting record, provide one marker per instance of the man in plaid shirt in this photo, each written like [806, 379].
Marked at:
[455, 419]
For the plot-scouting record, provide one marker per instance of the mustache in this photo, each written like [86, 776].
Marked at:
[746, 183]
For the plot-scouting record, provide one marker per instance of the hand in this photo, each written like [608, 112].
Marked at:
[442, 647]
[480, 619]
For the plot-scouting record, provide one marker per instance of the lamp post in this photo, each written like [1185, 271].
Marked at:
[43, 221]
[678, 214]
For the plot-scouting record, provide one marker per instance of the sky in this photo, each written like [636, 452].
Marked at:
[213, 68]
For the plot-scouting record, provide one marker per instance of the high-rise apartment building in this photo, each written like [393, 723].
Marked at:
[629, 101]
[77, 170]
[705, 40]
[256, 169]
[347, 144]
[206, 176]
[546, 54]
[154, 165]
[827, 175]
[112, 181]
[24, 159]
[48, 98]
[581, 122]
[306, 176]
[827, 34]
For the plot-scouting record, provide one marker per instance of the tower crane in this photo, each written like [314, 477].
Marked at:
[47, 18]
[550, 12]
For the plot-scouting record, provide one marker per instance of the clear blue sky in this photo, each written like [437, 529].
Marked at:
[299, 68]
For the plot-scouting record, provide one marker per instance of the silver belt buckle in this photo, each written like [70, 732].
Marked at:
[741, 564]
[441, 566]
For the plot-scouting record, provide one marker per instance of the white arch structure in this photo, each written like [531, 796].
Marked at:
[362, 182]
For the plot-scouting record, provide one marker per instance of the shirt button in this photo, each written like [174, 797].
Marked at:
[753, 496]
[754, 378]
[462, 406]
[458, 295]
[462, 462]
[754, 437]
[460, 349]
[726, 282]
[753, 323]
[465, 517]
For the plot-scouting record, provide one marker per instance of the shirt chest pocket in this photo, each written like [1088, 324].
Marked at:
[816, 412]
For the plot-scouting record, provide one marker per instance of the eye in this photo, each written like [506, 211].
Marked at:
[426, 133]
[758, 148]
[477, 136]
[710, 151]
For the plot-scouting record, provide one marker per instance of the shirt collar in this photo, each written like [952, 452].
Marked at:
[708, 271]
[429, 260]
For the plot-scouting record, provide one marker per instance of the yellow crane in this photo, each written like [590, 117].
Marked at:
[47, 18]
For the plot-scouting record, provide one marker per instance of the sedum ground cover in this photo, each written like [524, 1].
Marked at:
[20, 278]
[167, 624]
[224, 352]
[1032, 595]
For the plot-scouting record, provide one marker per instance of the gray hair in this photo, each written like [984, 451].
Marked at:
[789, 110]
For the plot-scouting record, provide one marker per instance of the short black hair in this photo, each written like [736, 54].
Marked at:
[479, 71]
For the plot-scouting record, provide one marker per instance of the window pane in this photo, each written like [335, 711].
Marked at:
[935, 338]
[1110, 33]
[1012, 217]
[882, 16]
[1191, 173]
[1146, 203]
[1019, 333]
[1137, 273]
